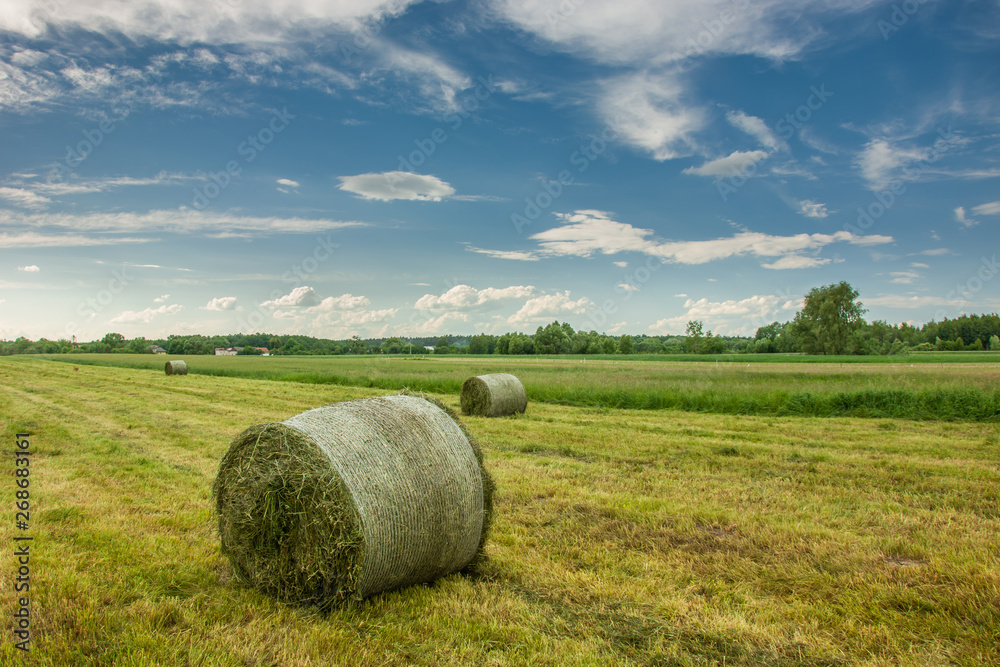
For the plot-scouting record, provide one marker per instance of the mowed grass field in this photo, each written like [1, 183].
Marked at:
[963, 386]
[622, 537]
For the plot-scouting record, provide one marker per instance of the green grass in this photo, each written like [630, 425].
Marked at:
[932, 391]
[621, 537]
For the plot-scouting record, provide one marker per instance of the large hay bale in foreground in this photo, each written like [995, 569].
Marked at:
[495, 395]
[176, 368]
[353, 499]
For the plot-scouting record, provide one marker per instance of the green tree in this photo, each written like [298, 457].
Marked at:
[113, 340]
[274, 345]
[392, 345]
[357, 345]
[442, 346]
[695, 334]
[555, 338]
[625, 345]
[250, 351]
[995, 343]
[829, 318]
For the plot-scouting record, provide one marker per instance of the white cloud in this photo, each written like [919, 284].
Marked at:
[586, 232]
[903, 277]
[342, 302]
[438, 82]
[397, 185]
[220, 303]
[812, 209]
[161, 299]
[880, 163]
[175, 221]
[620, 264]
[145, 316]
[796, 262]
[31, 268]
[300, 296]
[645, 111]
[288, 182]
[189, 21]
[900, 301]
[657, 32]
[756, 128]
[991, 208]
[681, 295]
[24, 198]
[627, 287]
[738, 162]
[962, 220]
[756, 305]
[464, 297]
[920, 265]
[935, 252]
[506, 254]
[34, 240]
[548, 306]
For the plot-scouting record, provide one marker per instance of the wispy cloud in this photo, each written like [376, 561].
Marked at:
[397, 185]
[962, 220]
[145, 316]
[737, 162]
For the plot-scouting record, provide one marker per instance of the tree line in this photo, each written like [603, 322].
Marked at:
[831, 321]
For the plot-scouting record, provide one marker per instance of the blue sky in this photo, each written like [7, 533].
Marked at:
[392, 167]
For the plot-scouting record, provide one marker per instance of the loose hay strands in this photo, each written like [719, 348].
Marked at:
[176, 368]
[496, 395]
[353, 499]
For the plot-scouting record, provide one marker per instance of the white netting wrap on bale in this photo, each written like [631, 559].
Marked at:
[175, 368]
[353, 499]
[495, 395]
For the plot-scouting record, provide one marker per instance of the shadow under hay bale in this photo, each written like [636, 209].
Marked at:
[353, 499]
[495, 395]
[176, 368]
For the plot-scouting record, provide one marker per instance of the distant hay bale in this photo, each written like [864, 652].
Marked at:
[176, 368]
[349, 500]
[495, 395]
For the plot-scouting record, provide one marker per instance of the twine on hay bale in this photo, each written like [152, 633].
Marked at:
[176, 368]
[496, 395]
[349, 500]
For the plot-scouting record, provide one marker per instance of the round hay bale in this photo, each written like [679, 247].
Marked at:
[353, 499]
[176, 368]
[495, 395]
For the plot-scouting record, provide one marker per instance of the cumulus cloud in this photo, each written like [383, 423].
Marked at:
[812, 209]
[627, 287]
[881, 162]
[547, 306]
[145, 316]
[465, 297]
[738, 162]
[162, 298]
[300, 296]
[221, 303]
[31, 268]
[397, 185]
[758, 308]
[288, 182]
[644, 110]
[342, 302]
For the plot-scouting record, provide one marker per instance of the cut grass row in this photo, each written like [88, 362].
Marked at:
[949, 392]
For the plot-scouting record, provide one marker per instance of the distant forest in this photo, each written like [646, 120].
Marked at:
[968, 332]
